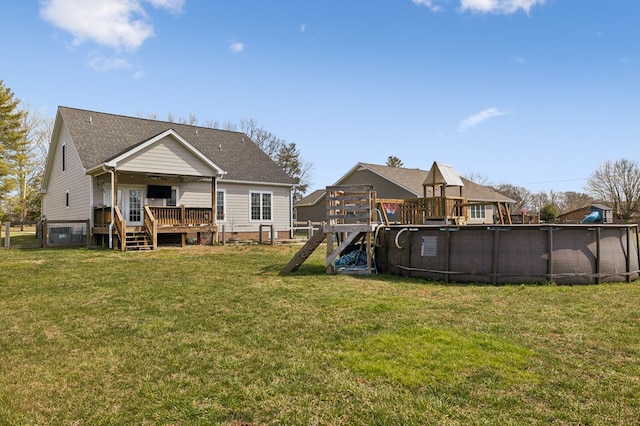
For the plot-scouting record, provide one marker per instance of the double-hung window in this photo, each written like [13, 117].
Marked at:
[261, 205]
[220, 205]
[477, 212]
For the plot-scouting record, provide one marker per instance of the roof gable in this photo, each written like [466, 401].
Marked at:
[442, 174]
[407, 179]
[166, 153]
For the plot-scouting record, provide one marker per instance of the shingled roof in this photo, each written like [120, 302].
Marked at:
[412, 180]
[100, 137]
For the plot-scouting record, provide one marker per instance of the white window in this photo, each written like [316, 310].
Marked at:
[173, 201]
[477, 212]
[261, 205]
[220, 203]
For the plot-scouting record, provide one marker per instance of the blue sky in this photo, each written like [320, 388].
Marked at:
[536, 93]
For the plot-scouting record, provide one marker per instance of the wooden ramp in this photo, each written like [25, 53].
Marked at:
[303, 254]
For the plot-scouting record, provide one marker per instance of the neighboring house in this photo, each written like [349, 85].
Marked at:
[164, 180]
[604, 214]
[403, 183]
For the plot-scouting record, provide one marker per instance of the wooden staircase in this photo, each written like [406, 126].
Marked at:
[303, 254]
[136, 239]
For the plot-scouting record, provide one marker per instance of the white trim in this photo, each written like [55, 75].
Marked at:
[224, 205]
[248, 182]
[164, 201]
[261, 212]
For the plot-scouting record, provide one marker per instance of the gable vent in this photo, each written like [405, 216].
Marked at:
[90, 120]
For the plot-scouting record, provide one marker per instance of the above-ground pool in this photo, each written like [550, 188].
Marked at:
[563, 254]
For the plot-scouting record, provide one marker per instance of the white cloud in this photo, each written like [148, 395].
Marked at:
[498, 6]
[236, 46]
[484, 6]
[430, 4]
[104, 64]
[120, 24]
[475, 119]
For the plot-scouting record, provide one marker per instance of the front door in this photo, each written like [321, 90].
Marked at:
[132, 206]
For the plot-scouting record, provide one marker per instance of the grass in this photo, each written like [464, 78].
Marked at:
[214, 335]
[25, 238]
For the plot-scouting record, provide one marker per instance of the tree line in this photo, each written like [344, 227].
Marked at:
[615, 184]
[25, 135]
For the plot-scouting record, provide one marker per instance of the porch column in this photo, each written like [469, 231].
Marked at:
[214, 207]
[114, 190]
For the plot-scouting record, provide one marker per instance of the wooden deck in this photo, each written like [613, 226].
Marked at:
[156, 220]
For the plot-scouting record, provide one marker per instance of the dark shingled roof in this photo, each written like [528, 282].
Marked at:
[100, 137]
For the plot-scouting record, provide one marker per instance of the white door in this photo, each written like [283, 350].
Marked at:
[132, 206]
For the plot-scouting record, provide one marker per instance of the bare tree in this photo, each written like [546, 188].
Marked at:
[478, 178]
[618, 185]
[286, 154]
[521, 195]
[575, 200]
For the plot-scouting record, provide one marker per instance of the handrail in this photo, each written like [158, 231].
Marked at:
[151, 226]
[120, 227]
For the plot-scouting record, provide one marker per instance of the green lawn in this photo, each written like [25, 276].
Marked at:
[214, 335]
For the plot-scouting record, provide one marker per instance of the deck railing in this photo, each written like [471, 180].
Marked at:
[419, 210]
[121, 227]
[171, 216]
[151, 226]
[182, 216]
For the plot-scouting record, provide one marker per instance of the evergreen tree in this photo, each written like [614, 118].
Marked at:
[393, 161]
[288, 158]
[12, 135]
[549, 213]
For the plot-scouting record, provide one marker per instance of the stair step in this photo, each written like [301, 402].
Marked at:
[136, 240]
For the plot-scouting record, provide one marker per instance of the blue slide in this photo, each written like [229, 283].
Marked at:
[593, 217]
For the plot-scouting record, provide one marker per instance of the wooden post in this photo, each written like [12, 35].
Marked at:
[114, 196]
[45, 233]
[7, 235]
[224, 234]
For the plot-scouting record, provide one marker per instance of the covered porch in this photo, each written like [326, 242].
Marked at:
[157, 221]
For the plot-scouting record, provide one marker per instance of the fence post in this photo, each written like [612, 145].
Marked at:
[7, 235]
[45, 233]
[309, 229]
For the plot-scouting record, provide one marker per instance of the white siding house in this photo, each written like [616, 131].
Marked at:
[131, 175]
